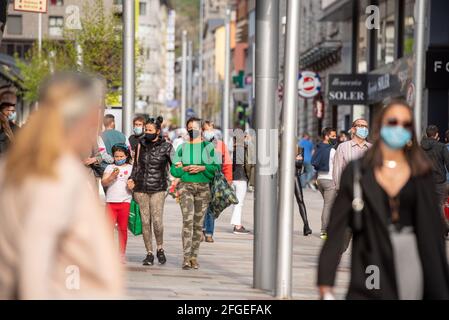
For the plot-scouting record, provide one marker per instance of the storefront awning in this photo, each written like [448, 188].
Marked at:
[9, 72]
[321, 57]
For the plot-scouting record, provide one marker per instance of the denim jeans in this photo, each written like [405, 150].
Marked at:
[309, 171]
[209, 223]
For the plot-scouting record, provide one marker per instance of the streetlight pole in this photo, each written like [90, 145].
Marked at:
[265, 201]
[190, 76]
[227, 74]
[128, 65]
[288, 154]
[39, 33]
[200, 62]
[184, 78]
[420, 64]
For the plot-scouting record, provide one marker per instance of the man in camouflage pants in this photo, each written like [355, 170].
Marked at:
[193, 199]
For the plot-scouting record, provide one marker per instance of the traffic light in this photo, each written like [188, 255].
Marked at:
[239, 80]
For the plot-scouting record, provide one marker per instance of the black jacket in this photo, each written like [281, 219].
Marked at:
[439, 155]
[150, 171]
[4, 140]
[372, 245]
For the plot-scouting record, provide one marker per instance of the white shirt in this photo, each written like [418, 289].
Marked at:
[118, 191]
[328, 175]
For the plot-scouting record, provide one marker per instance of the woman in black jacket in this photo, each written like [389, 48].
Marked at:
[149, 183]
[388, 200]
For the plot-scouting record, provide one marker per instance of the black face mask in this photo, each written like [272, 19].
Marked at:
[333, 142]
[149, 137]
[193, 134]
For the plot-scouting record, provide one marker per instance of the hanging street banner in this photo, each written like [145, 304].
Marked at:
[36, 6]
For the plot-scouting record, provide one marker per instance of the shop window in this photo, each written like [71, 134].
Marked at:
[142, 8]
[409, 27]
[362, 47]
[386, 33]
[56, 25]
[14, 25]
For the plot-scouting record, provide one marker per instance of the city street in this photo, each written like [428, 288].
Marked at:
[226, 265]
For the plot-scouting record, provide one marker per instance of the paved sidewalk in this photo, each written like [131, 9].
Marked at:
[226, 265]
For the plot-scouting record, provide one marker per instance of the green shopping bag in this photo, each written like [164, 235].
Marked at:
[135, 222]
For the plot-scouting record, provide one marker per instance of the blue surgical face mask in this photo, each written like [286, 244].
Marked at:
[120, 162]
[395, 137]
[12, 116]
[138, 131]
[208, 135]
[362, 132]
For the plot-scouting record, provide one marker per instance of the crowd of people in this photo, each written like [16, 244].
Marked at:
[387, 196]
[69, 151]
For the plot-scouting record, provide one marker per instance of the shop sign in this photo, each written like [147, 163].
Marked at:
[309, 84]
[347, 89]
[36, 6]
[437, 68]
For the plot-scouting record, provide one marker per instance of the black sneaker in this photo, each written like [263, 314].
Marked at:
[240, 230]
[149, 260]
[161, 256]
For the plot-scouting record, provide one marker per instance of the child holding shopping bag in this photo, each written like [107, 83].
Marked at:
[118, 194]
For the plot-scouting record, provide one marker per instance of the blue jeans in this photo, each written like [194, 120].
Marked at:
[209, 223]
[309, 171]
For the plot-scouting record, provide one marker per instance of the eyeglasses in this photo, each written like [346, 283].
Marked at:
[393, 122]
[359, 125]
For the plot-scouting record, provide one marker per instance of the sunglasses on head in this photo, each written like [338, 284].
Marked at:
[393, 122]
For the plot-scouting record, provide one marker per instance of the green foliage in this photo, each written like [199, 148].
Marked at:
[101, 44]
[54, 56]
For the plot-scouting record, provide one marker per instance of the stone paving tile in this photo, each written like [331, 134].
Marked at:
[226, 266]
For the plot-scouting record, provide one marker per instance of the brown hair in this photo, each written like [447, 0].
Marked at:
[138, 118]
[416, 158]
[108, 120]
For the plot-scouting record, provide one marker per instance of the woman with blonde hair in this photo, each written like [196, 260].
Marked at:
[55, 239]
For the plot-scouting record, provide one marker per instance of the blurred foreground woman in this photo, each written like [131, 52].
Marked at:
[388, 199]
[55, 239]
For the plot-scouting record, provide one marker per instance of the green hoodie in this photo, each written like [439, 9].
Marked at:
[200, 154]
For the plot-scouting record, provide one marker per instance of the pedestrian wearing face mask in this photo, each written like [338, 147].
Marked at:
[8, 115]
[138, 132]
[388, 198]
[195, 164]
[222, 153]
[439, 156]
[323, 162]
[118, 194]
[349, 151]
[149, 183]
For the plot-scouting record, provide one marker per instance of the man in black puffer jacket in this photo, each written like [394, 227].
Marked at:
[148, 180]
[439, 155]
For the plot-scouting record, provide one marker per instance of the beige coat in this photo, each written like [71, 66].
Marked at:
[56, 241]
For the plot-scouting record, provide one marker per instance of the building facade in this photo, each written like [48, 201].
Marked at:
[363, 52]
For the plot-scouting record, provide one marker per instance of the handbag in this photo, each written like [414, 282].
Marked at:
[135, 221]
[357, 203]
[223, 195]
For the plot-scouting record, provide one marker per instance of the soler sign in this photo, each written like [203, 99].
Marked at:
[437, 68]
[347, 89]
